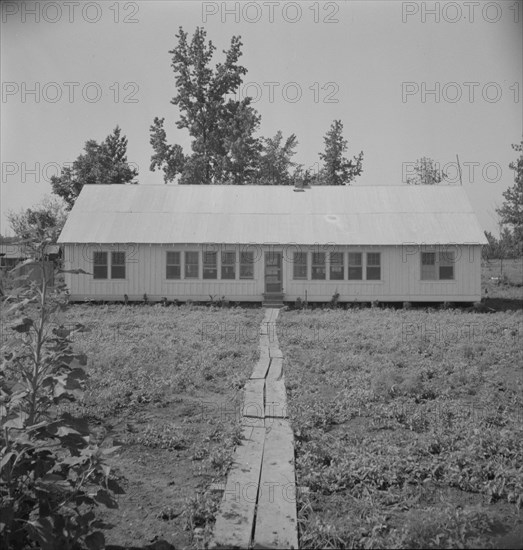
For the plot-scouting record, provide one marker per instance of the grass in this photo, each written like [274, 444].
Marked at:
[407, 425]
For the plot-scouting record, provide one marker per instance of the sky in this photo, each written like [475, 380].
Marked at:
[407, 79]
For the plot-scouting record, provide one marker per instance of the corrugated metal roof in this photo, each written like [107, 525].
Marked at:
[367, 215]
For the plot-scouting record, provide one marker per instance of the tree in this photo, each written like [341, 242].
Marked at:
[511, 212]
[426, 172]
[276, 160]
[101, 163]
[43, 222]
[224, 149]
[337, 169]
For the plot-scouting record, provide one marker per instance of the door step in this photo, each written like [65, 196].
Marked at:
[273, 299]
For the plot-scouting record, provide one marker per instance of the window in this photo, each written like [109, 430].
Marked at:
[318, 265]
[100, 265]
[117, 265]
[446, 265]
[300, 265]
[247, 265]
[428, 266]
[336, 266]
[437, 266]
[228, 265]
[173, 267]
[373, 266]
[355, 266]
[210, 265]
[192, 265]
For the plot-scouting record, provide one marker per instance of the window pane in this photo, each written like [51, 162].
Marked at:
[446, 272]
[118, 272]
[373, 273]
[355, 258]
[355, 267]
[117, 265]
[100, 258]
[210, 266]
[100, 265]
[118, 258]
[373, 258]
[173, 258]
[100, 272]
[373, 266]
[336, 266]
[228, 265]
[173, 270]
[192, 265]
[318, 265]
[300, 265]
[428, 258]
[355, 273]
[247, 265]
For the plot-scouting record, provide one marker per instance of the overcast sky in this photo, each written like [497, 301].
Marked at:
[407, 79]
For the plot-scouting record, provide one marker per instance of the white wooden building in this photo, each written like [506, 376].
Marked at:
[273, 243]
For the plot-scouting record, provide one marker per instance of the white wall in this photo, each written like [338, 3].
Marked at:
[400, 276]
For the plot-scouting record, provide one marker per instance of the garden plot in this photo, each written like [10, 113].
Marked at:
[408, 426]
[165, 385]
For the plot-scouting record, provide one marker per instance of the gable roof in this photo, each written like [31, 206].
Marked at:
[362, 215]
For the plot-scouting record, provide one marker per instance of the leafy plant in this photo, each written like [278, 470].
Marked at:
[52, 476]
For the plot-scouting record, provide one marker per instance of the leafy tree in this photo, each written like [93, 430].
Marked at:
[426, 172]
[224, 149]
[337, 169]
[511, 212]
[101, 163]
[44, 222]
[276, 160]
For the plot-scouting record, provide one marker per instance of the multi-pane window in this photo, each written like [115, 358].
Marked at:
[437, 266]
[299, 268]
[100, 265]
[373, 266]
[228, 265]
[192, 265]
[336, 266]
[355, 266]
[173, 265]
[117, 265]
[318, 265]
[246, 265]
[210, 265]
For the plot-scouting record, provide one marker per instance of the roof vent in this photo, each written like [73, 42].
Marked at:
[298, 189]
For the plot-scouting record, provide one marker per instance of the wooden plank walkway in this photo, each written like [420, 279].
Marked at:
[258, 509]
[233, 528]
[276, 522]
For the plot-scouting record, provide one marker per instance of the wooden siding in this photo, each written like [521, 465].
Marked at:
[400, 275]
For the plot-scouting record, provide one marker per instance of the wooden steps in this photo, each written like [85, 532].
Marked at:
[273, 299]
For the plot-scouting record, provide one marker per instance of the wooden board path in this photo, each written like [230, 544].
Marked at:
[276, 520]
[275, 398]
[259, 497]
[253, 402]
[261, 368]
[233, 527]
